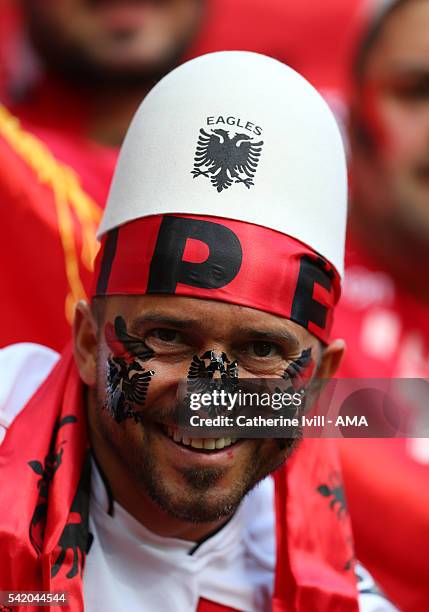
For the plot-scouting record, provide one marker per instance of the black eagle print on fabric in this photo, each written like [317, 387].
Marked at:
[127, 379]
[334, 491]
[226, 160]
[75, 535]
[46, 471]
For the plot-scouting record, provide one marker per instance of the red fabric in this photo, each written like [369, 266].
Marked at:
[39, 531]
[33, 261]
[312, 37]
[314, 544]
[48, 467]
[387, 334]
[386, 328]
[267, 278]
[210, 606]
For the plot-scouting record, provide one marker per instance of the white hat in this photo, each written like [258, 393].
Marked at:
[278, 162]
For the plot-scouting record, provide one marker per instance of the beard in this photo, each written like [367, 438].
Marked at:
[191, 494]
[77, 63]
[202, 502]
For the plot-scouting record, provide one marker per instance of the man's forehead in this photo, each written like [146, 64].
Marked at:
[207, 316]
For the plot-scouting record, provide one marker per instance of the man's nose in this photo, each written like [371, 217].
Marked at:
[216, 358]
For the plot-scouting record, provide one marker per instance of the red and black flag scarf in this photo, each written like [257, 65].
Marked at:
[44, 506]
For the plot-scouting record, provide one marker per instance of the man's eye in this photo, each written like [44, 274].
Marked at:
[166, 335]
[413, 91]
[263, 349]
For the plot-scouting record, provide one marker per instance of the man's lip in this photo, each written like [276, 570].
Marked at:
[203, 457]
[122, 14]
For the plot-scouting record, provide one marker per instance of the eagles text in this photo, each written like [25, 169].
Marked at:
[245, 125]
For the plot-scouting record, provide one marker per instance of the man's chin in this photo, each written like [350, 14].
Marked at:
[192, 485]
[205, 495]
[198, 493]
[197, 508]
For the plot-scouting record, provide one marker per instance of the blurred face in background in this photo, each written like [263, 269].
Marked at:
[390, 129]
[111, 39]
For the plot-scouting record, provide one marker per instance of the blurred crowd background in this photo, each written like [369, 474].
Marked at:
[72, 73]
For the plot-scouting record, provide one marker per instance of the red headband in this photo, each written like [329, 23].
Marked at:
[220, 259]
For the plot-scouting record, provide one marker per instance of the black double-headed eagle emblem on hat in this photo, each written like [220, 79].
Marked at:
[225, 160]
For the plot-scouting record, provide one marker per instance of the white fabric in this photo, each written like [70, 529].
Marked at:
[300, 184]
[130, 568]
[23, 367]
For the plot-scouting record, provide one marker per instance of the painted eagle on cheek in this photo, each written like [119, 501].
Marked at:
[226, 160]
[127, 385]
[127, 379]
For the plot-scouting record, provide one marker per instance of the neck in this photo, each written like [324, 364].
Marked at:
[127, 492]
[111, 112]
[101, 113]
[402, 256]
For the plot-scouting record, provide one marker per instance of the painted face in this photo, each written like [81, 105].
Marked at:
[170, 337]
[127, 379]
[391, 180]
[206, 366]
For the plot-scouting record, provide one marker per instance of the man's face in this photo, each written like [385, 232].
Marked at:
[391, 176]
[108, 37]
[191, 483]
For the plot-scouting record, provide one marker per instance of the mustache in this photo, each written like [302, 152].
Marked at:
[160, 415]
[178, 414]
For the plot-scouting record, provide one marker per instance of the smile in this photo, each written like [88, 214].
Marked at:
[210, 444]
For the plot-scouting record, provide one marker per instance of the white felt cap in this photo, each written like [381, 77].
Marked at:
[238, 135]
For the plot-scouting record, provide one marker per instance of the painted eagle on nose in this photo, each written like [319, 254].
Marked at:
[226, 160]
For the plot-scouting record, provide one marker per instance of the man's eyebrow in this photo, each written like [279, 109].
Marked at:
[271, 334]
[180, 323]
[163, 319]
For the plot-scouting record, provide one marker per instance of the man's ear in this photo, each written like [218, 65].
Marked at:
[331, 359]
[85, 343]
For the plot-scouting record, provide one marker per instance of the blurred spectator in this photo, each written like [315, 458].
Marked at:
[81, 69]
[384, 309]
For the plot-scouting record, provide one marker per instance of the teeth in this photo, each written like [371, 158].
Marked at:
[206, 443]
